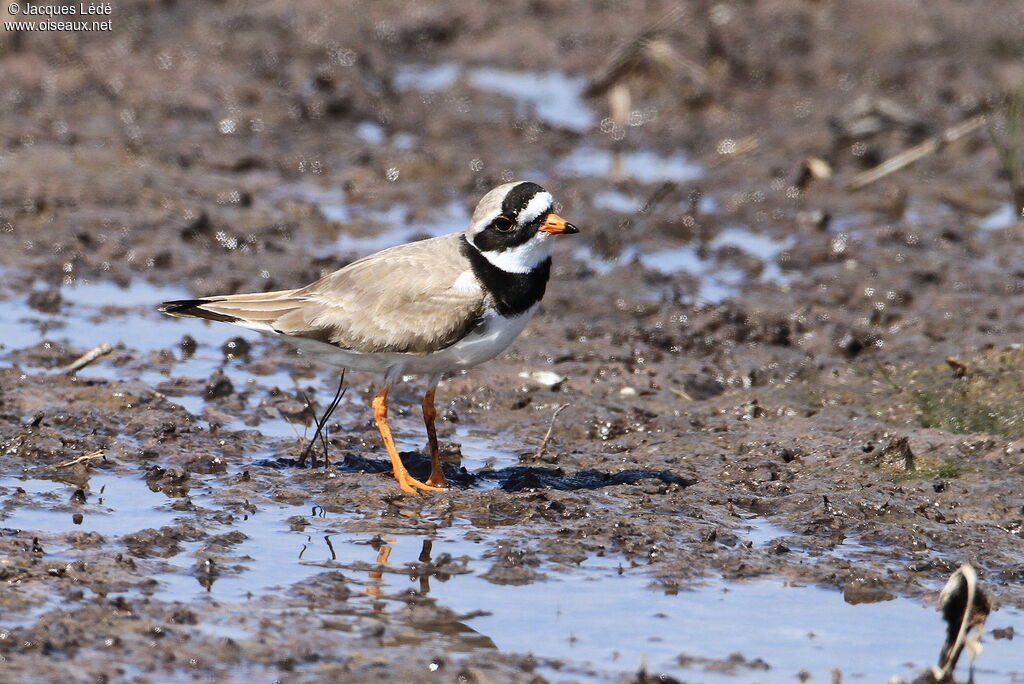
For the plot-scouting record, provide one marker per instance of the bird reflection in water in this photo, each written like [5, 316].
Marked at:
[383, 554]
[464, 638]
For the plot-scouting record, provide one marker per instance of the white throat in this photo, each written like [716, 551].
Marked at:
[523, 258]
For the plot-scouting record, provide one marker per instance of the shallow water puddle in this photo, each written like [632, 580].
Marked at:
[426, 78]
[645, 166]
[554, 97]
[624, 203]
[562, 620]
[479, 451]
[396, 230]
[19, 325]
[378, 229]
[330, 201]
[618, 201]
[551, 95]
[95, 312]
[565, 617]
[374, 133]
[761, 531]
[114, 505]
[716, 281]
[1003, 217]
[791, 628]
[276, 555]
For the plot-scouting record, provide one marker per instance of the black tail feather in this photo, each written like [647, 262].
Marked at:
[193, 308]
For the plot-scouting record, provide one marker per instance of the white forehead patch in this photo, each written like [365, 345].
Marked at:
[540, 203]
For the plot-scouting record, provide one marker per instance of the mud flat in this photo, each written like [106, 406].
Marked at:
[793, 408]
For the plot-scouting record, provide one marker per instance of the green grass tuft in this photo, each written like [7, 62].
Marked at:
[947, 470]
[952, 413]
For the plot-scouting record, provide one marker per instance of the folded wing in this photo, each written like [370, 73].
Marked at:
[413, 298]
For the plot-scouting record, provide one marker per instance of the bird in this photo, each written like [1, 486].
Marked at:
[423, 308]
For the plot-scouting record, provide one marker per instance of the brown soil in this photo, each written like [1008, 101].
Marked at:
[192, 147]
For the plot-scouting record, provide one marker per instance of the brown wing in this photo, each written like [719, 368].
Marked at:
[401, 299]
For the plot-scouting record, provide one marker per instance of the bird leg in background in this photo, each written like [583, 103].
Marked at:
[380, 415]
[965, 607]
[320, 424]
[429, 414]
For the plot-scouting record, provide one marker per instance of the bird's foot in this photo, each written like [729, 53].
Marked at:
[437, 480]
[410, 484]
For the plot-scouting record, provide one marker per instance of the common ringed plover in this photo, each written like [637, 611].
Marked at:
[422, 308]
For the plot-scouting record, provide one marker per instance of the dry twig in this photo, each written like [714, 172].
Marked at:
[82, 459]
[551, 426]
[908, 157]
[86, 358]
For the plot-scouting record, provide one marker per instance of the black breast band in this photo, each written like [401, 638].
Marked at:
[513, 293]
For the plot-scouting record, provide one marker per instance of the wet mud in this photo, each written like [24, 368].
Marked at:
[793, 408]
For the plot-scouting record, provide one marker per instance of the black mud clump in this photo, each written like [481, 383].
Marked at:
[511, 479]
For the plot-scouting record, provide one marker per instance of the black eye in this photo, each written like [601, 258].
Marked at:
[503, 224]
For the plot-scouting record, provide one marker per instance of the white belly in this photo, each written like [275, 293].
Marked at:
[486, 342]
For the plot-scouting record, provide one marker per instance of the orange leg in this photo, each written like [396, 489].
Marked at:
[380, 414]
[436, 474]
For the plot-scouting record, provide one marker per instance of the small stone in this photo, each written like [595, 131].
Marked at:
[46, 301]
[219, 386]
[546, 378]
[188, 346]
[236, 347]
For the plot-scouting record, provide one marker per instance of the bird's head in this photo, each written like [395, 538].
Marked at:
[512, 226]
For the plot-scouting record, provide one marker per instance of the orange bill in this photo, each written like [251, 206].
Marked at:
[558, 225]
